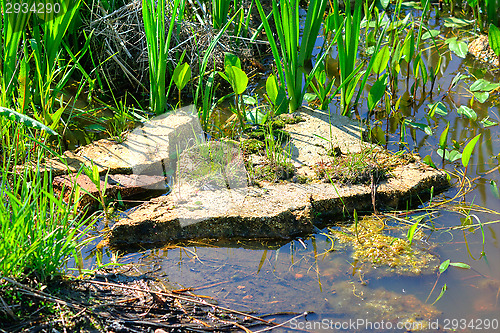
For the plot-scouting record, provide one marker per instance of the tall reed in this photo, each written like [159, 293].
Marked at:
[347, 47]
[13, 27]
[158, 41]
[289, 62]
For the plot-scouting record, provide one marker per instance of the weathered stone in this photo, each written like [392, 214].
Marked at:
[281, 210]
[149, 149]
[481, 50]
[126, 185]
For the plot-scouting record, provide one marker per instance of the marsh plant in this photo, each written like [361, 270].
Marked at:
[40, 231]
[290, 64]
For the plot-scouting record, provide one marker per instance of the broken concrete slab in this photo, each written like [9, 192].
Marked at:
[283, 210]
[147, 150]
[126, 185]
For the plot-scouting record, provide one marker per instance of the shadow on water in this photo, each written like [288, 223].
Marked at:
[319, 275]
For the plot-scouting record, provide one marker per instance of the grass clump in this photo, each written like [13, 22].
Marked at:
[360, 167]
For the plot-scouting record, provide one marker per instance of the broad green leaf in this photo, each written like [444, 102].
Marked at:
[231, 59]
[377, 91]
[182, 75]
[272, 88]
[426, 128]
[383, 3]
[483, 85]
[487, 123]
[444, 137]
[454, 155]
[309, 97]
[451, 156]
[237, 78]
[481, 97]
[249, 100]
[467, 111]
[438, 108]
[430, 34]
[381, 60]
[494, 189]
[256, 117]
[453, 22]
[469, 148]
[408, 46]
[428, 160]
[25, 120]
[458, 47]
[460, 265]
[494, 38]
[444, 266]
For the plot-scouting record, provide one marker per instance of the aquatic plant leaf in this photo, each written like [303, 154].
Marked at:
[458, 47]
[483, 85]
[460, 265]
[467, 111]
[381, 60]
[487, 123]
[443, 290]
[376, 93]
[383, 3]
[453, 22]
[481, 97]
[428, 160]
[249, 100]
[182, 75]
[237, 78]
[426, 128]
[494, 38]
[444, 266]
[309, 97]
[25, 120]
[444, 137]
[451, 156]
[469, 148]
[430, 34]
[413, 229]
[494, 189]
[231, 59]
[272, 88]
[438, 108]
[256, 117]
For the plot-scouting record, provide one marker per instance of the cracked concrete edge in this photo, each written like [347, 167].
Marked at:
[276, 211]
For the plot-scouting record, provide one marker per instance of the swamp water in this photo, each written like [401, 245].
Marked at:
[318, 273]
